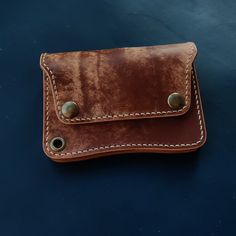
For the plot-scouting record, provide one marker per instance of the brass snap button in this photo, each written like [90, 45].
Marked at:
[57, 144]
[176, 101]
[70, 109]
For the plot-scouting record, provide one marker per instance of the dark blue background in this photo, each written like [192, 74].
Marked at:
[139, 194]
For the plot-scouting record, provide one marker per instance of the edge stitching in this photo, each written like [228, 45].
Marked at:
[128, 144]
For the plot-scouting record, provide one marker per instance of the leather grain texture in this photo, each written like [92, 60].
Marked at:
[122, 94]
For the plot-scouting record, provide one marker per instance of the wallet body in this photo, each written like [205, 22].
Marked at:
[123, 100]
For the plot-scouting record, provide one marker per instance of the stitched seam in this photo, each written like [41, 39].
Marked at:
[107, 147]
[125, 115]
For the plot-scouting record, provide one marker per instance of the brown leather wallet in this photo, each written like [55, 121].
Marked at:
[123, 100]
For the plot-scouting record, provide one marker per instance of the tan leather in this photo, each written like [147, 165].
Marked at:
[122, 95]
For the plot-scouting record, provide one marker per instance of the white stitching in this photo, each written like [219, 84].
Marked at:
[52, 76]
[123, 145]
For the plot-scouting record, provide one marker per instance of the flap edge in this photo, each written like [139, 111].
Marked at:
[126, 116]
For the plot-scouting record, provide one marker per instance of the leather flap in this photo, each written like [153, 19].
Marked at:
[123, 83]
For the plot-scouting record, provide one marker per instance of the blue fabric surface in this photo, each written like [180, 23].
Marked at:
[138, 194]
